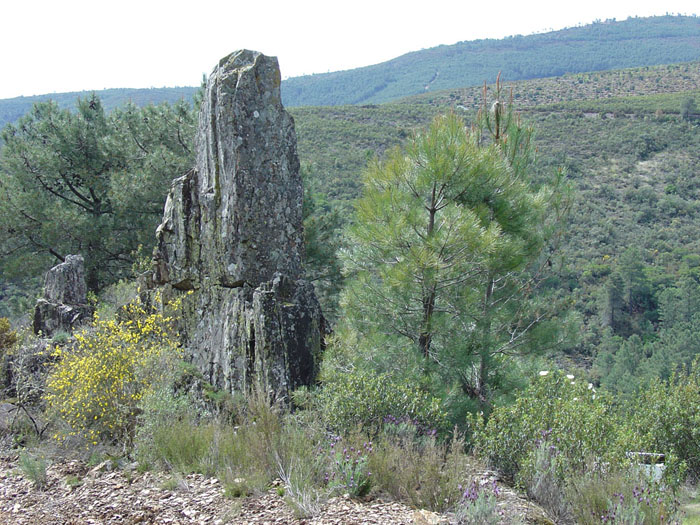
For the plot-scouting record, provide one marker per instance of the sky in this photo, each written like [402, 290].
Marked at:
[52, 46]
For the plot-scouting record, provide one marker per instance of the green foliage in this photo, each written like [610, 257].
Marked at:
[163, 412]
[428, 474]
[364, 398]
[96, 385]
[665, 418]
[34, 468]
[8, 337]
[88, 182]
[443, 252]
[247, 457]
[322, 225]
[564, 413]
[688, 108]
[567, 445]
[620, 497]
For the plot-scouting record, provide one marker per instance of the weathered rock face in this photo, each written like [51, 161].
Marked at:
[232, 234]
[64, 304]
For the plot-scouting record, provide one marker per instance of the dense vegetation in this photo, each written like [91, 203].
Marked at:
[89, 182]
[632, 161]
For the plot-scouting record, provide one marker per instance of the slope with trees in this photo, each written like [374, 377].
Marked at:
[595, 47]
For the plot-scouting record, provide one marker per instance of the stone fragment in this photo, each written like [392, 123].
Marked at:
[64, 304]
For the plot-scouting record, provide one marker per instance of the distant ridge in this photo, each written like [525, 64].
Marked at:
[594, 47]
[13, 108]
[599, 46]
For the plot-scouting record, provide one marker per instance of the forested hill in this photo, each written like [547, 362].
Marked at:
[595, 47]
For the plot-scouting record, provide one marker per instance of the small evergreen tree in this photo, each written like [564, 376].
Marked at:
[447, 252]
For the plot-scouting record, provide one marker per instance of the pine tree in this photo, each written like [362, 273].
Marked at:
[88, 182]
[447, 252]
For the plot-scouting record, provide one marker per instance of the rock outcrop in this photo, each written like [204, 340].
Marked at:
[64, 304]
[232, 235]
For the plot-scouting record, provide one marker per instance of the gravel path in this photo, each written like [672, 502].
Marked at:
[76, 494]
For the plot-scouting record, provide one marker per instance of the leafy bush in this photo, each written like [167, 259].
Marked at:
[578, 422]
[566, 445]
[620, 497]
[96, 385]
[665, 418]
[364, 398]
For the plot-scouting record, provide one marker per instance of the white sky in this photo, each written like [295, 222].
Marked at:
[72, 45]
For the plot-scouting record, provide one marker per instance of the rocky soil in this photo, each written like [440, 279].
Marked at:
[77, 494]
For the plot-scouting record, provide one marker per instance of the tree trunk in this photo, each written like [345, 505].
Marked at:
[426, 335]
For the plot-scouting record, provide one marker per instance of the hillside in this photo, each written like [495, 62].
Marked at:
[338, 141]
[633, 163]
[595, 47]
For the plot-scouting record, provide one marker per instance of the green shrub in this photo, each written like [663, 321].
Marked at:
[425, 474]
[96, 385]
[365, 399]
[665, 418]
[620, 497]
[564, 443]
[568, 414]
[246, 457]
[34, 468]
[60, 338]
[115, 296]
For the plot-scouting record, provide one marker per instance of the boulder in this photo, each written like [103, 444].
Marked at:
[64, 304]
[232, 237]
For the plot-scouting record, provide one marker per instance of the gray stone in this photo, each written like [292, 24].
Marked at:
[64, 304]
[232, 235]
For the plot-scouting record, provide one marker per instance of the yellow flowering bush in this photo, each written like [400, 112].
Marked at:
[96, 384]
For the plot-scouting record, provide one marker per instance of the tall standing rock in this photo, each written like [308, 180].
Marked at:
[232, 234]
